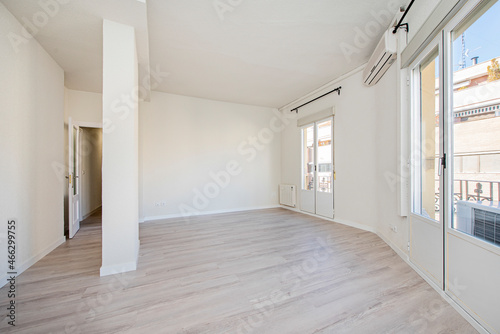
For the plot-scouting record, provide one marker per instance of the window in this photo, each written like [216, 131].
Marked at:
[455, 158]
[308, 158]
[476, 138]
[426, 137]
[325, 161]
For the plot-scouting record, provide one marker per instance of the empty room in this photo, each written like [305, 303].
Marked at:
[250, 166]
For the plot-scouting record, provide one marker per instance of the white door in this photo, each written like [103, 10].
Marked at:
[316, 194]
[324, 168]
[455, 219]
[472, 238]
[307, 192]
[426, 218]
[73, 178]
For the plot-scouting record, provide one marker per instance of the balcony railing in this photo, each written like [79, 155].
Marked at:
[471, 190]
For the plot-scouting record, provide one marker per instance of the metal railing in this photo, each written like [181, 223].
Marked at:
[471, 190]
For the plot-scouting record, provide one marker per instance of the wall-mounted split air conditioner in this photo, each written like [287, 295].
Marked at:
[382, 58]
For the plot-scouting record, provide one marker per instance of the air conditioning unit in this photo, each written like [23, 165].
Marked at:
[382, 58]
[480, 219]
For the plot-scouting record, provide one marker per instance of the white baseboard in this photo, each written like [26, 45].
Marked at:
[203, 213]
[395, 248]
[91, 213]
[355, 225]
[124, 267]
[34, 259]
[335, 220]
[118, 268]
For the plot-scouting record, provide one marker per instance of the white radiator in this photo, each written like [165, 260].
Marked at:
[288, 195]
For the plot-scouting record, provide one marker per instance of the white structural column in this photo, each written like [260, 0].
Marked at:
[120, 188]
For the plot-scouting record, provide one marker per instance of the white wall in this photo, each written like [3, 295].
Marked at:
[82, 106]
[120, 168]
[388, 174]
[31, 146]
[184, 139]
[90, 173]
[355, 150]
[366, 155]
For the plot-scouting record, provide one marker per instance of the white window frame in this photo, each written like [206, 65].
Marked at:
[415, 126]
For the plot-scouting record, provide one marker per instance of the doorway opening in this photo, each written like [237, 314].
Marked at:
[90, 171]
[85, 174]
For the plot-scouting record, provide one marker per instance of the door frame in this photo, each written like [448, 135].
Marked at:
[426, 260]
[73, 178]
[74, 224]
[461, 270]
[305, 193]
[456, 241]
[314, 124]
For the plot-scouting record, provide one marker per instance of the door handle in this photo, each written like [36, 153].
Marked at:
[442, 164]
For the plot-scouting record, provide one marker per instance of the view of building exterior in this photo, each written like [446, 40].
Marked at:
[476, 168]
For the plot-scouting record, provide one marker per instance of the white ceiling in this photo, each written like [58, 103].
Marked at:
[73, 34]
[258, 52]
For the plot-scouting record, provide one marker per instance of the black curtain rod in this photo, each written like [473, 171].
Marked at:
[319, 97]
[399, 25]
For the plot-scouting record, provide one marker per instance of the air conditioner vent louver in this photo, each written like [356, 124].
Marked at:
[382, 58]
[487, 225]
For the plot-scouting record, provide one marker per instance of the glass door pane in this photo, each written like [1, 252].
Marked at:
[316, 194]
[308, 158]
[473, 149]
[427, 189]
[325, 161]
[476, 125]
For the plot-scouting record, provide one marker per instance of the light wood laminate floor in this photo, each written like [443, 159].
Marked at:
[267, 271]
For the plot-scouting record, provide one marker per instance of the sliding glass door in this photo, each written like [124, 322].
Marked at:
[317, 168]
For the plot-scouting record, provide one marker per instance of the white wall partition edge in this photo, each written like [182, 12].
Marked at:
[120, 167]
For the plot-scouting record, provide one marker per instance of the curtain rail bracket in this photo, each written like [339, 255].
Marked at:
[400, 23]
[405, 26]
[319, 97]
